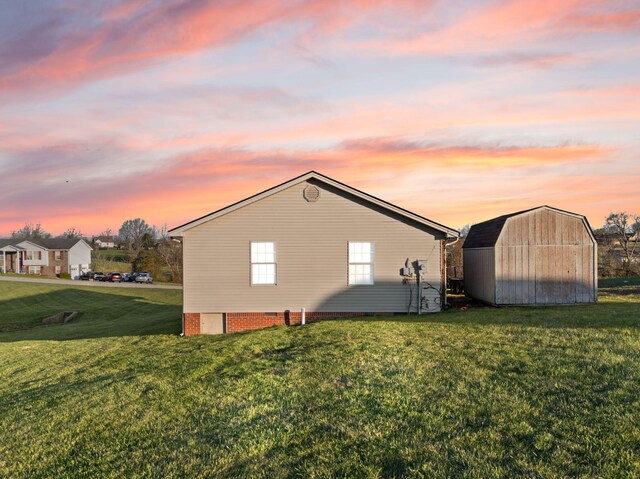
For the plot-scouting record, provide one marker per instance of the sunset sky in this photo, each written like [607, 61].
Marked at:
[458, 111]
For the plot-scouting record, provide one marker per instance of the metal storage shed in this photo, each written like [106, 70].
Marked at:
[539, 256]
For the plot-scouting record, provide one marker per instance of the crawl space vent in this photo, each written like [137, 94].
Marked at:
[311, 194]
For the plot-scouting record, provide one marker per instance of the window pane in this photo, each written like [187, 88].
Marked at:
[360, 274]
[263, 274]
[263, 253]
[360, 253]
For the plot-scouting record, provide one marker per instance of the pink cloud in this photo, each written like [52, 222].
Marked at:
[512, 23]
[134, 35]
[192, 184]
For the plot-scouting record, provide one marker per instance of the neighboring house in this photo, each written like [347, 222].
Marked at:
[312, 243]
[103, 242]
[539, 256]
[47, 257]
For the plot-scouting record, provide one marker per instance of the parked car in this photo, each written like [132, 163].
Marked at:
[127, 277]
[86, 276]
[114, 277]
[98, 277]
[143, 278]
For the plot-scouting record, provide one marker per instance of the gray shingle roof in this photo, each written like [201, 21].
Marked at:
[48, 243]
[56, 243]
[486, 234]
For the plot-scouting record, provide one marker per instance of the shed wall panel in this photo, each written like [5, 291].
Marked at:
[479, 273]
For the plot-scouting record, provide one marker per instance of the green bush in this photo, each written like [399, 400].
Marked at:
[64, 276]
[150, 261]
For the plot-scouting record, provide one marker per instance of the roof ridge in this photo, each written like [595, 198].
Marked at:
[331, 182]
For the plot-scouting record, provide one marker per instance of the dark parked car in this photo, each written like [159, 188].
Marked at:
[114, 277]
[98, 277]
[127, 278]
[143, 278]
[86, 276]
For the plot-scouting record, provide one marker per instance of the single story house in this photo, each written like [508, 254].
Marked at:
[103, 242]
[313, 243]
[543, 255]
[47, 257]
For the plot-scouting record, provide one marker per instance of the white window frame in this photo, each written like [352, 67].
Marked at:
[58, 255]
[58, 269]
[35, 269]
[355, 262]
[33, 255]
[256, 261]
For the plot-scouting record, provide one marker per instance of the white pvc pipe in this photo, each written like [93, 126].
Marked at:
[303, 314]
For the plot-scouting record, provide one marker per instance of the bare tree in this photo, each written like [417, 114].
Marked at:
[455, 268]
[134, 234]
[72, 233]
[30, 231]
[626, 229]
[464, 231]
[170, 251]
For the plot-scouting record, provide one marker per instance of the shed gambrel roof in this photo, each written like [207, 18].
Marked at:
[178, 231]
[486, 234]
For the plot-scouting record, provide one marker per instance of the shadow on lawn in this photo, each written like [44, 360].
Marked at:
[609, 312]
[101, 314]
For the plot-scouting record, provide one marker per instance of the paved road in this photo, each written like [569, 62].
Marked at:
[97, 284]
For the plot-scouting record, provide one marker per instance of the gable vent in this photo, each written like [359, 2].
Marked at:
[311, 194]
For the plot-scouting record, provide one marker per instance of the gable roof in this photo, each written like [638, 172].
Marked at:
[6, 242]
[486, 234]
[179, 230]
[58, 243]
[47, 243]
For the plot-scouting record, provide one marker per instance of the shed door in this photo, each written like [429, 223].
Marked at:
[211, 323]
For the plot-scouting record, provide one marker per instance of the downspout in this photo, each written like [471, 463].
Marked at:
[443, 274]
[419, 286]
[181, 240]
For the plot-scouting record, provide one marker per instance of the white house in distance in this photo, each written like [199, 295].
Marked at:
[103, 241]
[313, 243]
[47, 257]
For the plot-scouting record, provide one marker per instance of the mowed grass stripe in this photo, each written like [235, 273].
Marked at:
[24, 305]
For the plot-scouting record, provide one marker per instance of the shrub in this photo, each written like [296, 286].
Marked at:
[64, 276]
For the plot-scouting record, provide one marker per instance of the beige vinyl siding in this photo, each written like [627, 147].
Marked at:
[312, 240]
[541, 257]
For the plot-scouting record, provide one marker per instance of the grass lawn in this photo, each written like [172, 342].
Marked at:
[535, 392]
[106, 260]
